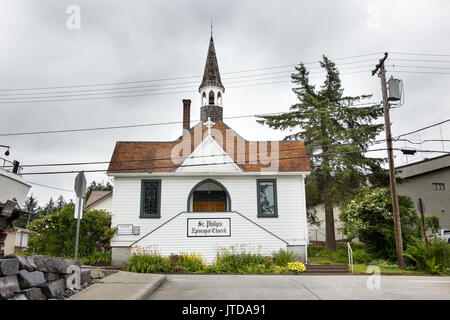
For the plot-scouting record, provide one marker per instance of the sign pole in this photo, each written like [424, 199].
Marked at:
[80, 190]
[422, 211]
[78, 227]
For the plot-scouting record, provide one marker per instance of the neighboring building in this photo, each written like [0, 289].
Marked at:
[317, 234]
[99, 200]
[16, 240]
[430, 180]
[13, 191]
[12, 185]
[210, 189]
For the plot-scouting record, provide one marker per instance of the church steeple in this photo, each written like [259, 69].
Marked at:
[211, 74]
[211, 89]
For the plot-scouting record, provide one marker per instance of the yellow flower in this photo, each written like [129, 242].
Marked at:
[296, 267]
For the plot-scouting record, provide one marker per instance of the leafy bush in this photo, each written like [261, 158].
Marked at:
[54, 234]
[97, 259]
[361, 256]
[339, 256]
[370, 218]
[148, 263]
[282, 257]
[434, 260]
[297, 267]
[432, 223]
[193, 262]
[231, 261]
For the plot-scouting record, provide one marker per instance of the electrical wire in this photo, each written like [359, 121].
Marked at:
[147, 124]
[421, 129]
[217, 163]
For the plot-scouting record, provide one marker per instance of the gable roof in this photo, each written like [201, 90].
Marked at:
[156, 156]
[424, 166]
[96, 196]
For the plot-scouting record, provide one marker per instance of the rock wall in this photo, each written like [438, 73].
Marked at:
[36, 277]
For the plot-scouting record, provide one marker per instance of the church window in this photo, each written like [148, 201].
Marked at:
[211, 97]
[267, 198]
[150, 199]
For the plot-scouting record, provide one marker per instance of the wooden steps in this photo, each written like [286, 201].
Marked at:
[327, 269]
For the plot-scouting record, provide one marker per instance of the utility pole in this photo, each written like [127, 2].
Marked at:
[387, 122]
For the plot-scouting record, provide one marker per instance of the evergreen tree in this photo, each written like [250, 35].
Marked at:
[98, 186]
[49, 207]
[331, 126]
[30, 206]
[60, 203]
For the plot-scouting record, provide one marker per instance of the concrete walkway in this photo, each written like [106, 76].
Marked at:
[122, 286]
[302, 287]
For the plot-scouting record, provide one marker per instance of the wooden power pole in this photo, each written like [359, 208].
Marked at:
[387, 122]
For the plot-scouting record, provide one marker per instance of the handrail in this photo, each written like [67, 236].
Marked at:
[350, 255]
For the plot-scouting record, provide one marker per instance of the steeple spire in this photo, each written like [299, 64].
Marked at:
[211, 75]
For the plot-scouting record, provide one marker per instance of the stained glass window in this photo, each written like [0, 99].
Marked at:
[267, 198]
[151, 198]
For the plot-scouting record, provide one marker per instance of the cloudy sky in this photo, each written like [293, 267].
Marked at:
[136, 41]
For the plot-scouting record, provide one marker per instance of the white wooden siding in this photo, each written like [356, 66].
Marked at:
[245, 236]
[104, 204]
[289, 226]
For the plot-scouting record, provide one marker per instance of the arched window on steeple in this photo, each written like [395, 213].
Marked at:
[219, 99]
[203, 99]
[211, 97]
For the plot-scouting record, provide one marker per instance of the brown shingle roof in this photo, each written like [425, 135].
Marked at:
[146, 157]
[96, 196]
[211, 74]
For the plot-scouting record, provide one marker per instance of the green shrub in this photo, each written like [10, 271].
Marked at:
[279, 270]
[361, 256]
[233, 262]
[148, 263]
[193, 262]
[370, 218]
[282, 257]
[434, 260]
[97, 259]
[54, 234]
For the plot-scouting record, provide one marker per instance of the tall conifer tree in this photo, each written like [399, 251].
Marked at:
[330, 124]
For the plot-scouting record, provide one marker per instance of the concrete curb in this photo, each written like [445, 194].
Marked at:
[122, 286]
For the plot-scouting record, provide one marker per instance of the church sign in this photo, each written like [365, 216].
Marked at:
[209, 227]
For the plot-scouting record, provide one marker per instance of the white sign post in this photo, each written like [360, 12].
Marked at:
[80, 190]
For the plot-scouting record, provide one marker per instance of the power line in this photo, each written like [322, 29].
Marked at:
[420, 54]
[20, 100]
[179, 78]
[220, 163]
[421, 129]
[424, 141]
[146, 124]
[194, 165]
[43, 185]
[202, 156]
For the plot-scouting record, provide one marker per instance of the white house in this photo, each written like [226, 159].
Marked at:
[210, 189]
[99, 200]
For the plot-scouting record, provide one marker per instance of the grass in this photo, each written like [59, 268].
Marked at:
[362, 269]
[319, 255]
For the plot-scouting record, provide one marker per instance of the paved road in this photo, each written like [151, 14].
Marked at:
[312, 287]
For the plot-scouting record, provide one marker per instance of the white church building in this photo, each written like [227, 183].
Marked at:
[210, 189]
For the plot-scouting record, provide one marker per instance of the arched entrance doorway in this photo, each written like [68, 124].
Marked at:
[209, 196]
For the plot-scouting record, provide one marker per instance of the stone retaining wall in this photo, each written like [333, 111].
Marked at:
[37, 277]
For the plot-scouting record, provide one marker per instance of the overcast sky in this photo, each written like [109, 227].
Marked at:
[122, 41]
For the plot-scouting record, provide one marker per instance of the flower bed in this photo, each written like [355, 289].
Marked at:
[227, 261]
